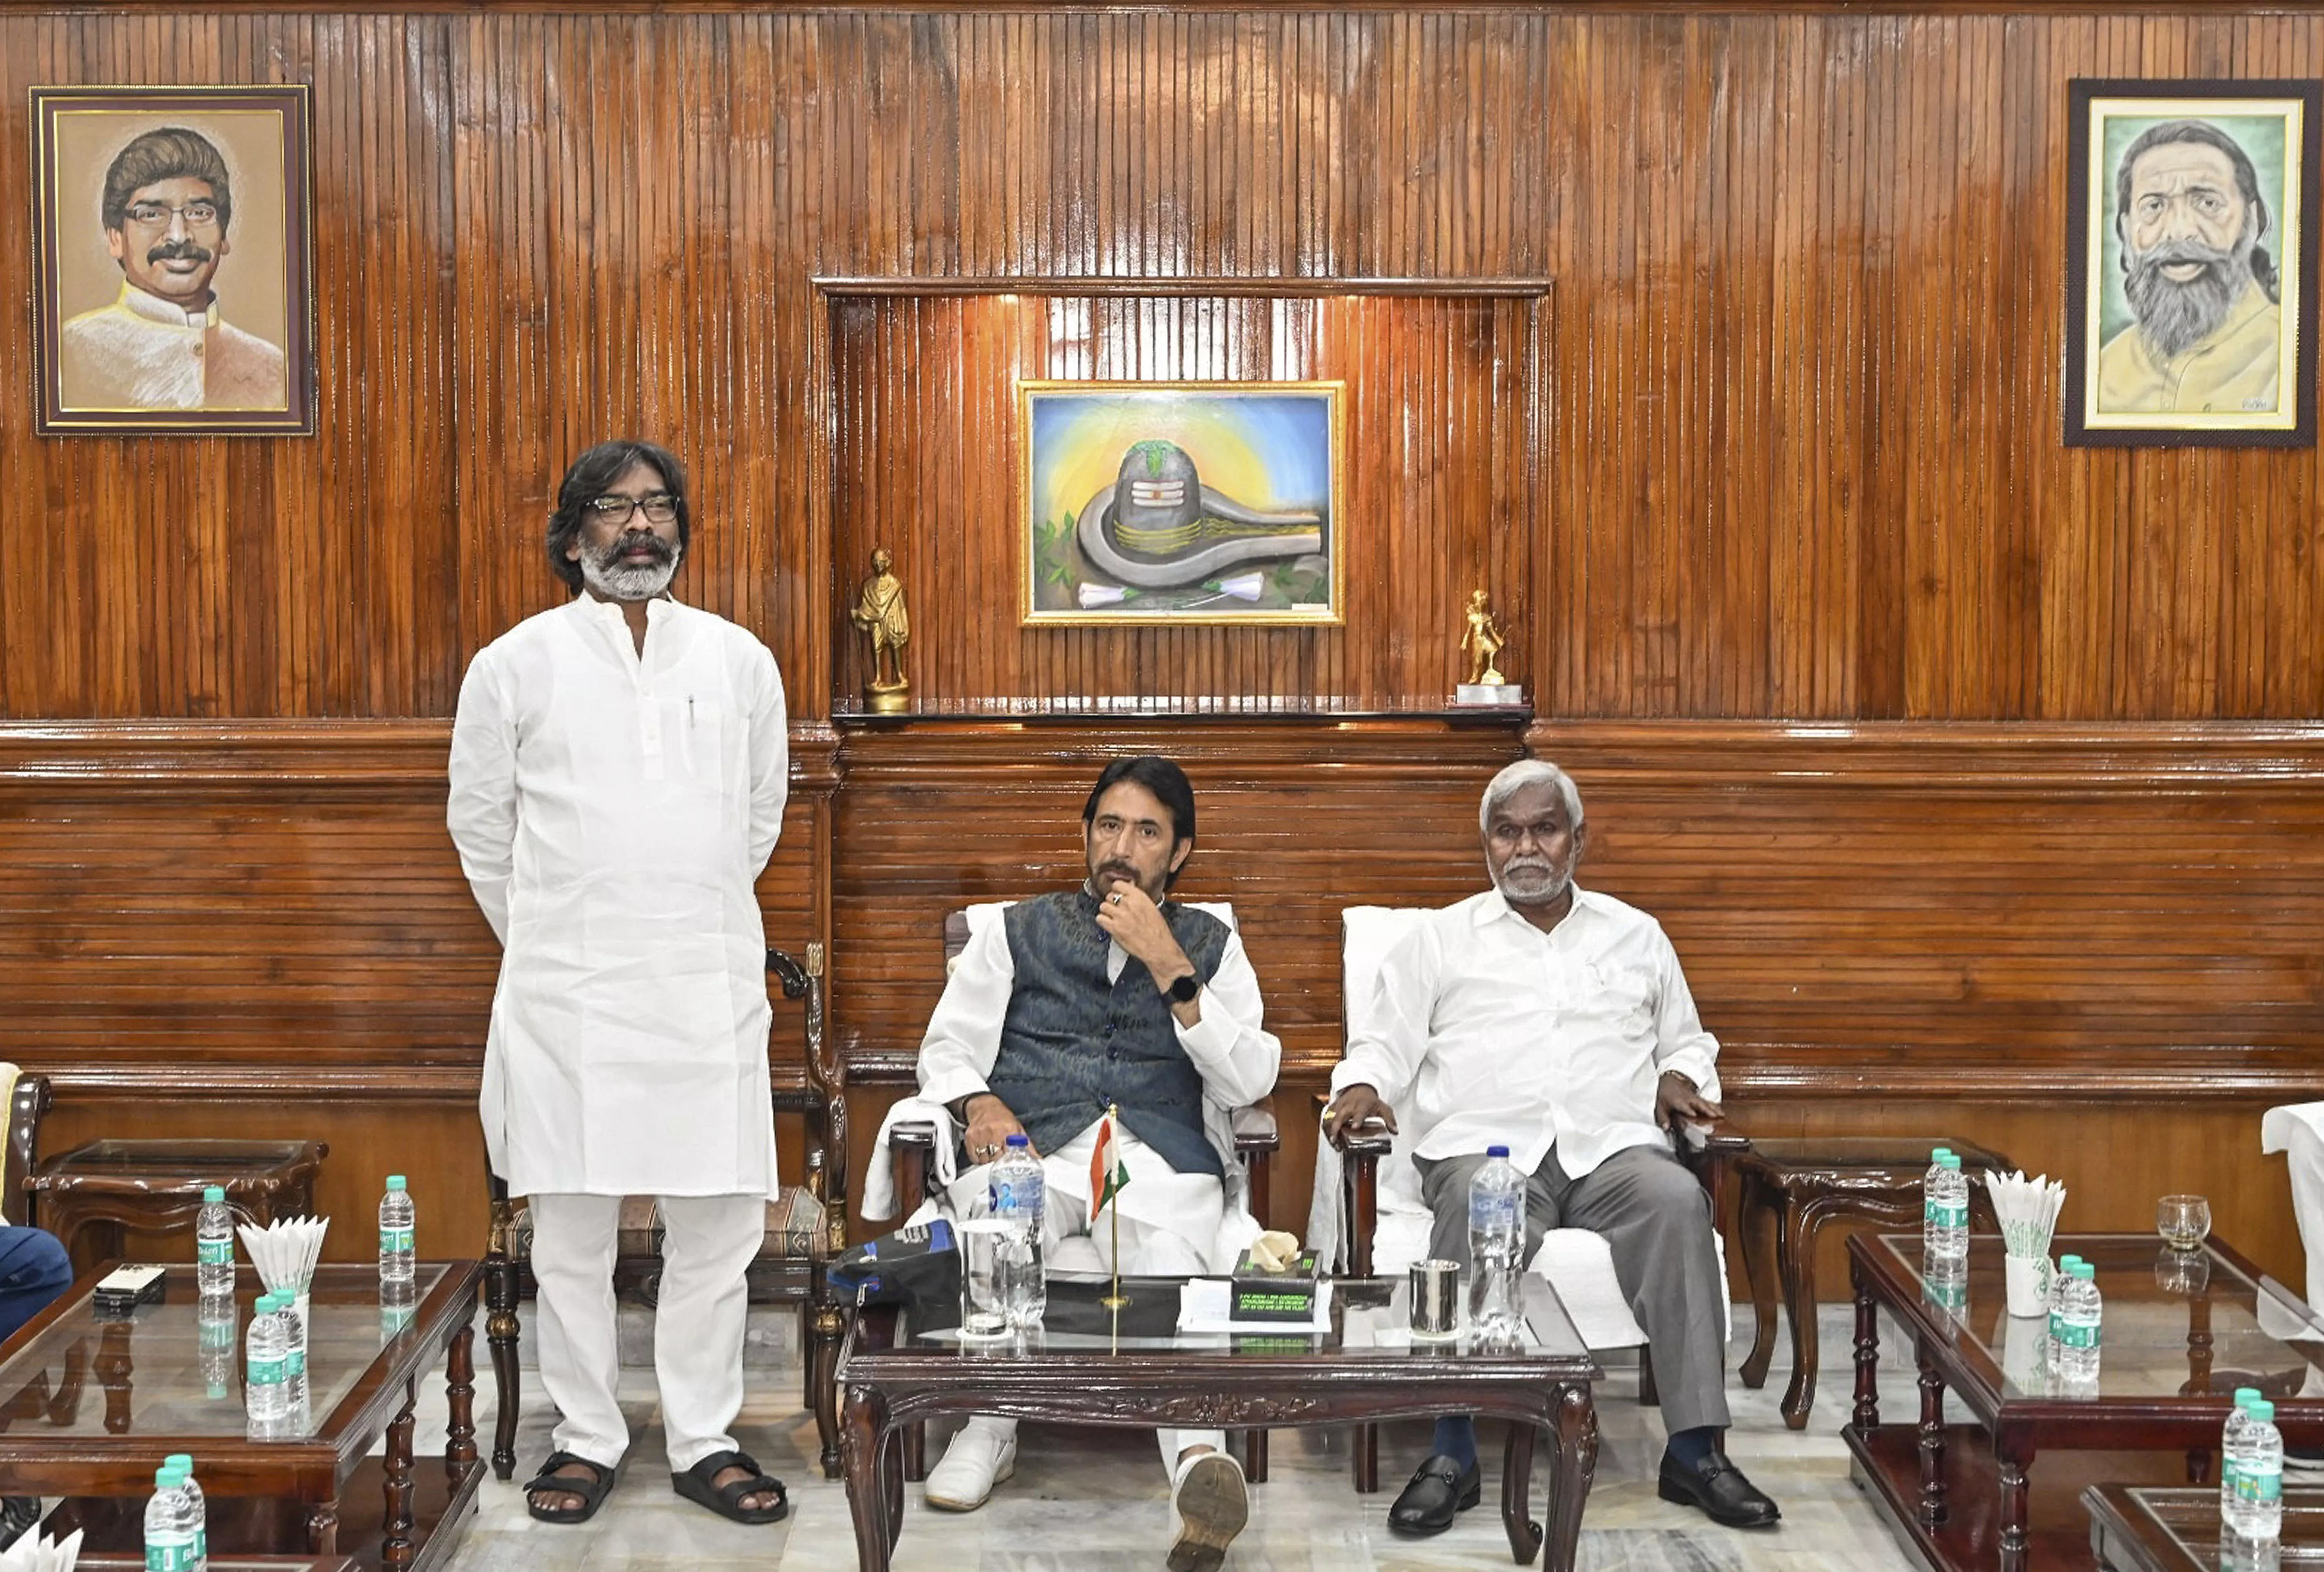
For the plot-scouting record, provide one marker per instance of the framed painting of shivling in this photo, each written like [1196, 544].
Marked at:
[2191, 262]
[173, 277]
[1182, 502]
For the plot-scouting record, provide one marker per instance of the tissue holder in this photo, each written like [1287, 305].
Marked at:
[1288, 1295]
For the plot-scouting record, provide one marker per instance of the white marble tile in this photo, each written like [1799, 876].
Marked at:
[1089, 1499]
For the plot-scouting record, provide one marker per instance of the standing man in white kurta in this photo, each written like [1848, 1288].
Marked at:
[1111, 994]
[618, 772]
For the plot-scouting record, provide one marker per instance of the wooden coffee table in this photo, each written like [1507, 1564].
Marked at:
[1086, 1366]
[91, 1407]
[2140, 1529]
[1789, 1189]
[2177, 1343]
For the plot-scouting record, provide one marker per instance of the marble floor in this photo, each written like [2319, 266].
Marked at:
[1088, 1499]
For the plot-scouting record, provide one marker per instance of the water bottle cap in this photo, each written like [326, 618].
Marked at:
[269, 1302]
[181, 1461]
[396, 1181]
[1940, 1154]
[1951, 1161]
[213, 1195]
[1501, 1151]
[2066, 1263]
[2084, 1271]
[1017, 1139]
[2247, 1395]
[2263, 1410]
[168, 1478]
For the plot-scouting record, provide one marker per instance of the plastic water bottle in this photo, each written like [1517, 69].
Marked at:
[267, 1386]
[1020, 1195]
[294, 1327]
[2230, 1439]
[198, 1511]
[1496, 1241]
[2259, 1476]
[214, 1243]
[2058, 1281]
[214, 1325]
[1944, 1215]
[2076, 1331]
[168, 1524]
[396, 1218]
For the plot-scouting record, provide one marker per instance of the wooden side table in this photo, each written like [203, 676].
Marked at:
[2145, 1529]
[88, 1196]
[1788, 1189]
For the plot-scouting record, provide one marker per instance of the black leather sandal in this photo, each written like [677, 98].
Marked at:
[726, 1500]
[592, 1491]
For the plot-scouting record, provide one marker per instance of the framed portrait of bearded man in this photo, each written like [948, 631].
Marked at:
[174, 288]
[2191, 262]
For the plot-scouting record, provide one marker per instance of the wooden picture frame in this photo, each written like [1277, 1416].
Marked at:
[1172, 503]
[2191, 262]
[173, 260]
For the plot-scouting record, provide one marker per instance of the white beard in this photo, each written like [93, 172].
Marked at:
[616, 582]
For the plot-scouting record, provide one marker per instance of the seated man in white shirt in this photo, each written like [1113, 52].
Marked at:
[1110, 994]
[1554, 1020]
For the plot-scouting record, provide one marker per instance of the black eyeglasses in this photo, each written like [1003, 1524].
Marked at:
[659, 507]
[198, 214]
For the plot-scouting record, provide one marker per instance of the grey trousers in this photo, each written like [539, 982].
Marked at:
[1656, 1218]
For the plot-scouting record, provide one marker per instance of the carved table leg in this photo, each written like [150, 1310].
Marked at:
[395, 1548]
[915, 1441]
[1254, 1455]
[1517, 1486]
[323, 1527]
[1363, 1458]
[825, 1358]
[1867, 1417]
[2014, 1519]
[1755, 1235]
[863, 1438]
[501, 1335]
[460, 1395]
[1576, 1437]
[1932, 1439]
[1796, 1258]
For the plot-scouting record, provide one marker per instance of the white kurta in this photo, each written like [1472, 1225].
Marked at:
[611, 813]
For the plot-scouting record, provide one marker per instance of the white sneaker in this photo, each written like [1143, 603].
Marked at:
[981, 1456]
[1212, 1503]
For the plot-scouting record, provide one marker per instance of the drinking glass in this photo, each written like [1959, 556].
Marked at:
[984, 1277]
[2183, 1221]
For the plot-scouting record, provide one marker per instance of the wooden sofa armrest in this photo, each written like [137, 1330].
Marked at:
[1255, 1130]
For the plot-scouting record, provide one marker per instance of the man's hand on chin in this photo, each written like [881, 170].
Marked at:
[1132, 920]
[1676, 1099]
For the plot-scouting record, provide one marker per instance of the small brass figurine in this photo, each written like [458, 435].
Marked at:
[879, 610]
[1483, 640]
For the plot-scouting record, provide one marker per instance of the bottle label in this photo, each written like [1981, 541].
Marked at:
[395, 1241]
[202, 1544]
[297, 1363]
[214, 1251]
[168, 1554]
[269, 1371]
[2258, 1489]
[1947, 1216]
[2075, 1334]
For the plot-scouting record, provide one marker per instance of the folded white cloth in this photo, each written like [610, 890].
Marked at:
[36, 1552]
[880, 1197]
[2297, 1130]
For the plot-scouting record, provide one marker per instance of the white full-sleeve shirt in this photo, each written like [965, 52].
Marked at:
[612, 811]
[1236, 1055]
[1486, 1030]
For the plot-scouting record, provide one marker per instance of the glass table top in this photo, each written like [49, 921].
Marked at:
[2194, 1324]
[1368, 1319]
[160, 1369]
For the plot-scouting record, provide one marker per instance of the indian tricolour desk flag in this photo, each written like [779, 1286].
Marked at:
[1107, 1174]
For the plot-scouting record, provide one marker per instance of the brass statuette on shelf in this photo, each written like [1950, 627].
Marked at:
[878, 611]
[1482, 639]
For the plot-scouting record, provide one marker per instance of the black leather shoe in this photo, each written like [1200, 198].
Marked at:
[1438, 1492]
[1719, 1489]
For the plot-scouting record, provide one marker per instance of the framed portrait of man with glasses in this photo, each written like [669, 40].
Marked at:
[175, 277]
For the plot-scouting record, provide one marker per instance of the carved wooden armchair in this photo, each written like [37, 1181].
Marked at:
[913, 1144]
[1371, 1164]
[805, 1227]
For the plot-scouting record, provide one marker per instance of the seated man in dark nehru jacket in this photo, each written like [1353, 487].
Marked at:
[1554, 1020]
[1109, 994]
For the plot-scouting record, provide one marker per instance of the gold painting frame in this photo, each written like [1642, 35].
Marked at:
[1233, 516]
[223, 343]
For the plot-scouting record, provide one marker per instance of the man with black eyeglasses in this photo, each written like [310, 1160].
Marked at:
[618, 771]
[161, 345]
